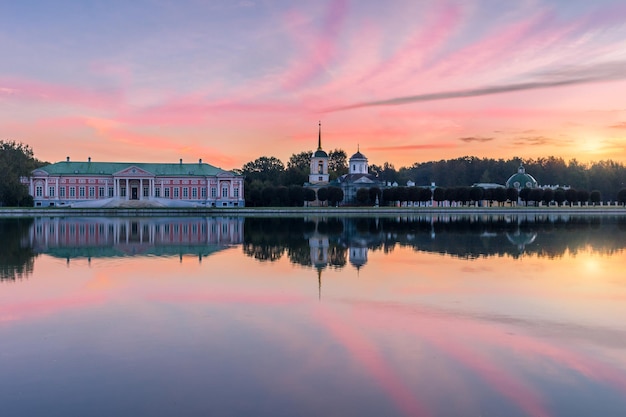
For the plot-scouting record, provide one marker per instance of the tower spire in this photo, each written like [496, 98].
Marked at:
[319, 137]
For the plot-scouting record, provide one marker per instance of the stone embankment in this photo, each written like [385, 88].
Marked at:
[306, 211]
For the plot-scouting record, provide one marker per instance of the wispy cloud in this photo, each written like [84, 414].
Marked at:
[412, 147]
[470, 139]
[621, 125]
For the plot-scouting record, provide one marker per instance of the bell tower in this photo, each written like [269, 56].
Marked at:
[318, 173]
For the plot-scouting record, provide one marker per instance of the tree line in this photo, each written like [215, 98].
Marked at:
[571, 182]
[270, 182]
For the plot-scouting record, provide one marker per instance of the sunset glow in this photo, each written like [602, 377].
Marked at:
[229, 81]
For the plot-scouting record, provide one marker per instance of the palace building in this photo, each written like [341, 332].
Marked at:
[134, 184]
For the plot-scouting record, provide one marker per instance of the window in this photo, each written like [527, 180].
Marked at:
[185, 192]
[213, 192]
[194, 193]
[72, 192]
[92, 192]
[167, 192]
[51, 191]
[81, 192]
[110, 191]
[176, 191]
[320, 167]
[122, 191]
[157, 192]
[38, 191]
[236, 192]
[146, 192]
[203, 192]
[62, 192]
[101, 192]
[225, 191]
[320, 178]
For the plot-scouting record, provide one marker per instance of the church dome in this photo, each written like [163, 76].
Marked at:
[358, 155]
[521, 180]
[320, 154]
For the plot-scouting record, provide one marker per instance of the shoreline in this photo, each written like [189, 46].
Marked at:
[305, 211]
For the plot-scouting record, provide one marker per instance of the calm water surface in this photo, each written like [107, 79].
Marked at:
[426, 316]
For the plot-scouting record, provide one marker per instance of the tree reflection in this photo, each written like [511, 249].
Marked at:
[333, 242]
[16, 254]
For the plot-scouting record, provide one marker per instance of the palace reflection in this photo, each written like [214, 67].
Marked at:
[81, 237]
[317, 242]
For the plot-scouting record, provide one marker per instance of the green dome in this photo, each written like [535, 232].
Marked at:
[320, 154]
[521, 180]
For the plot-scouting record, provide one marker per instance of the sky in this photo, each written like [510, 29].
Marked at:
[403, 81]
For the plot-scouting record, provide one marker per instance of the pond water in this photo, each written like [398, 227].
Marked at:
[237, 316]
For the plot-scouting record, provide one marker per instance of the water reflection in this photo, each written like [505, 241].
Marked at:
[16, 254]
[318, 242]
[329, 242]
[84, 237]
[429, 316]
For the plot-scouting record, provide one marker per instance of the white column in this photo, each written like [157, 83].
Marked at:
[140, 190]
[127, 192]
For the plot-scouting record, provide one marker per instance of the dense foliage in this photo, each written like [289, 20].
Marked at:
[573, 181]
[16, 160]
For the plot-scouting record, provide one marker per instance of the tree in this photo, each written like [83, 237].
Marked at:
[425, 194]
[375, 194]
[524, 195]
[268, 196]
[571, 195]
[512, 195]
[450, 194]
[337, 163]
[362, 196]
[335, 195]
[300, 161]
[463, 194]
[296, 196]
[536, 195]
[413, 194]
[621, 196]
[309, 195]
[439, 194]
[595, 197]
[559, 196]
[476, 194]
[548, 196]
[16, 160]
[583, 196]
[390, 195]
[499, 195]
[264, 169]
[322, 195]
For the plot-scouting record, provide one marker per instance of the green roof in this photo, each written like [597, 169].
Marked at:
[320, 154]
[110, 168]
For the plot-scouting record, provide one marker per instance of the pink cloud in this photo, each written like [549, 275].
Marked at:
[319, 51]
[32, 90]
[366, 355]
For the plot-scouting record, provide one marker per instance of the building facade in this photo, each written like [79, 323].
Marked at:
[101, 184]
[358, 176]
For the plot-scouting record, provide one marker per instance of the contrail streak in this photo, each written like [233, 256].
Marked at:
[603, 72]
